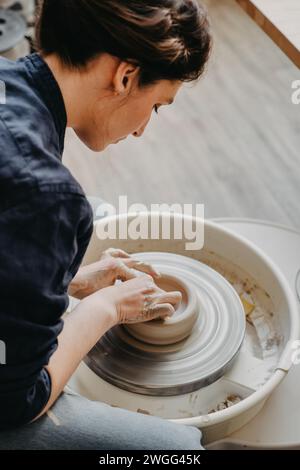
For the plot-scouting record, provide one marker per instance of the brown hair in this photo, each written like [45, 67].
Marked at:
[168, 39]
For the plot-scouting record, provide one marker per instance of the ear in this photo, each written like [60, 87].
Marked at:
[125, 77]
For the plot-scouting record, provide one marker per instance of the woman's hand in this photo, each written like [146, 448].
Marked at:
[114, 264]
[134, 301]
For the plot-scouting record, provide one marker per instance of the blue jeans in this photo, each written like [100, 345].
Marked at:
[76, 423]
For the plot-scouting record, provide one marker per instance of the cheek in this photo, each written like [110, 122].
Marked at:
[123, 121]
[137, 117]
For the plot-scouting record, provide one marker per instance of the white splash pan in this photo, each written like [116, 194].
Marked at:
[250, 377]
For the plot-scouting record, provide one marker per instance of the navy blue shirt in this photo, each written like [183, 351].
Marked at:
[46, 224]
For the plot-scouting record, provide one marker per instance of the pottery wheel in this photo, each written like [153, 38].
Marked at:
[206, 352]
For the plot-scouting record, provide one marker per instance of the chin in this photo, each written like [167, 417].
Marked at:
[90, 143]
[96, 147]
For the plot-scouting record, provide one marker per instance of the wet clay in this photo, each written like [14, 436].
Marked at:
[171, 329]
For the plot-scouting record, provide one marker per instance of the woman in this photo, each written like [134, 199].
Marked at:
[101, 68]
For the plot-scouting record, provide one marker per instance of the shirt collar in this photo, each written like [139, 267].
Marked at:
[50, 91]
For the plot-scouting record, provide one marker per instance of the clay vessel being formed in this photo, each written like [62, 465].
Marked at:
[171, 329]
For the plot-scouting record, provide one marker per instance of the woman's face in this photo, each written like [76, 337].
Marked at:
[125, 109]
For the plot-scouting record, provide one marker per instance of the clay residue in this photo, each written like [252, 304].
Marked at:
[227, 403]
[262, 335]
[144, 412]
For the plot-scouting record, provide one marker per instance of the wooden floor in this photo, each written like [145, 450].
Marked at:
[232, 141]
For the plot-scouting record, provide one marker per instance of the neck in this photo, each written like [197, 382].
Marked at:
[68, 82]
[81, 88]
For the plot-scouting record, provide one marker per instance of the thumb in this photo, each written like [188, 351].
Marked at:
[125, 273]
[160, 311]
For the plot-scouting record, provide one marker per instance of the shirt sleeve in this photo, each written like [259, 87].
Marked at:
[42, 242]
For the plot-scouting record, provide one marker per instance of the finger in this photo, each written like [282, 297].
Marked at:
[142, 267]
[125, 273]
[144, 283]
[115, 253]
[160, 311]
[168, 297]
[118, 253]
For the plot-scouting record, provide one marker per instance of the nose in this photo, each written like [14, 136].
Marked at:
[140, 131]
